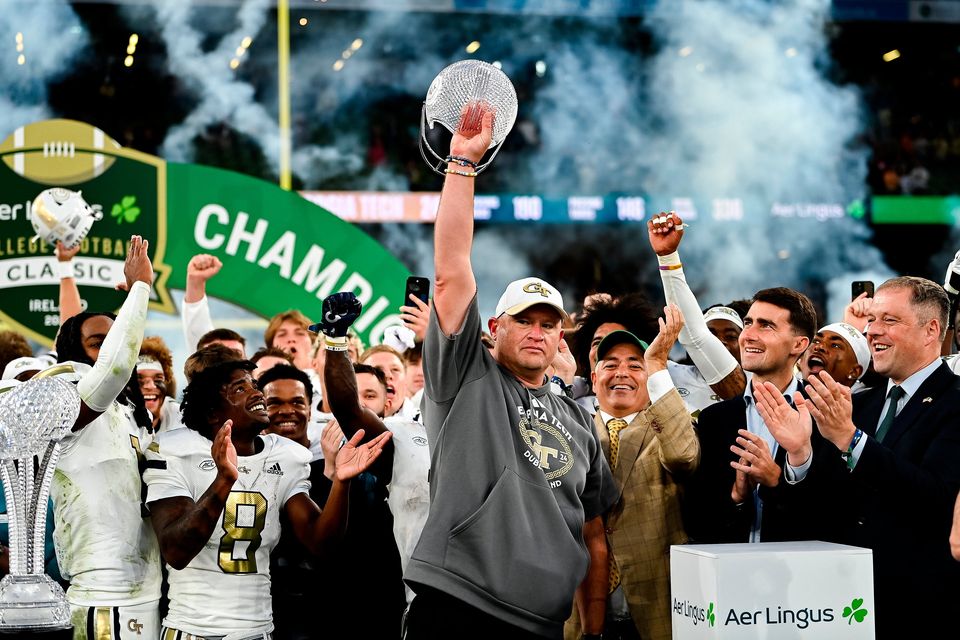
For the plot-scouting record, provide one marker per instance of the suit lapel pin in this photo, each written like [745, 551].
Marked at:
[928, 399]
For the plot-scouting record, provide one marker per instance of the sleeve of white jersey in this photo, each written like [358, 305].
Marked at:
[299, 477]
[196, 321]
[164, 475]
[705, 349]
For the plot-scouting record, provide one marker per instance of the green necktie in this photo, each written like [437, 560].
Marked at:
[893, 396]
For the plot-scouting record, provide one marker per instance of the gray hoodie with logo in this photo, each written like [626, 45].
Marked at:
[515, 472]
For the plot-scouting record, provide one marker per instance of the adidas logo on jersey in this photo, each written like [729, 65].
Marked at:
[275, 469]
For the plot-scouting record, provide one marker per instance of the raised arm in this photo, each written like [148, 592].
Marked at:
[100, 386]
[453, 232]
[196, 307]
[951, 284]
[720, 369]
[339, 311]
[679, 447]
[70, 302]
[183, 526]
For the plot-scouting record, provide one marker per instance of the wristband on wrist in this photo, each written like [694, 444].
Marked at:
[66, 269]
[336, 344]
[670, 261]
[848, 454]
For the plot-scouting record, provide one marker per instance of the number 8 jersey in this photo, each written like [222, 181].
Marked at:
[226, 588]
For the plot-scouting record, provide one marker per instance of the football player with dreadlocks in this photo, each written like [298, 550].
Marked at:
[105, 544]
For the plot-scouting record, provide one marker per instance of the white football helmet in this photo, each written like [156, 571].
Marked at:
[62, 214]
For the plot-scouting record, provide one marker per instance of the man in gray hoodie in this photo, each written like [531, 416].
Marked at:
[518, 479]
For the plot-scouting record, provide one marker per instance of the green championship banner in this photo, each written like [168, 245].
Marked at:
[279, 251]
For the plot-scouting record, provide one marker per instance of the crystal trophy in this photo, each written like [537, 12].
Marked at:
[451, 94]
[34, 417]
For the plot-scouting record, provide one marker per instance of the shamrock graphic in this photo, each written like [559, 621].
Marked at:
[854, 611]
[126, 209]
[711, 616]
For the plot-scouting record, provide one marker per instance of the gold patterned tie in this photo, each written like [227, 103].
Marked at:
[614, 427]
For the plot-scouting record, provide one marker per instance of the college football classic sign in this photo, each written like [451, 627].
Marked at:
[279, 250]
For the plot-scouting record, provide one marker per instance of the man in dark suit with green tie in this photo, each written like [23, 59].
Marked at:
[889, 465]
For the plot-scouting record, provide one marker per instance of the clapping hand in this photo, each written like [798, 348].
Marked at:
[790, 427]
[355, 458]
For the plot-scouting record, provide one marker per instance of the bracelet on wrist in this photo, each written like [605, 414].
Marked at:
[463, 162]
[66, 269]
[465, 174]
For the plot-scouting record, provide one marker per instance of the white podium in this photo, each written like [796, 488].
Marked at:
[804, 590]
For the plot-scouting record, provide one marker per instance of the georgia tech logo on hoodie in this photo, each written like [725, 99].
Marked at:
[547, 441]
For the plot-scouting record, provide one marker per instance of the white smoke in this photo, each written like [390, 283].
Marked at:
[735, 104]
[51, 36]
[220, 93]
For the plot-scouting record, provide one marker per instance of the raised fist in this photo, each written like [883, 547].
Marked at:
[339, 312]
[951, 281]
[203, 266]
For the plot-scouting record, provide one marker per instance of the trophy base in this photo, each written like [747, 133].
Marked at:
[32, 603]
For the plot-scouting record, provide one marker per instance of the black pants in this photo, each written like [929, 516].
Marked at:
[434, 615]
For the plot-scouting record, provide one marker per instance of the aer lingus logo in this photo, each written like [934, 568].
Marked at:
[711, 616]
[854, 611]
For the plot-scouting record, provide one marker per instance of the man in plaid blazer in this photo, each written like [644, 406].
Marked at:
[648, 438]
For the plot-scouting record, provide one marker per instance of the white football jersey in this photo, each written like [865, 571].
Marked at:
[226, 588]
[169, 416]
[105, 542]
[692, 387]
[409, 488]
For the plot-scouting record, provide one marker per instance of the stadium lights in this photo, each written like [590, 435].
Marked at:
[473, 46]
[497, 64]
[21, 59]
[241, 51]
[303, 22]
[131, 49]
[541, 68]
[791, 52]
[347, 53]
[685, 51]
[891, 55]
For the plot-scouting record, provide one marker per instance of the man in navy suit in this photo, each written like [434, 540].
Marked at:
[888, 468]
[745, 489]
